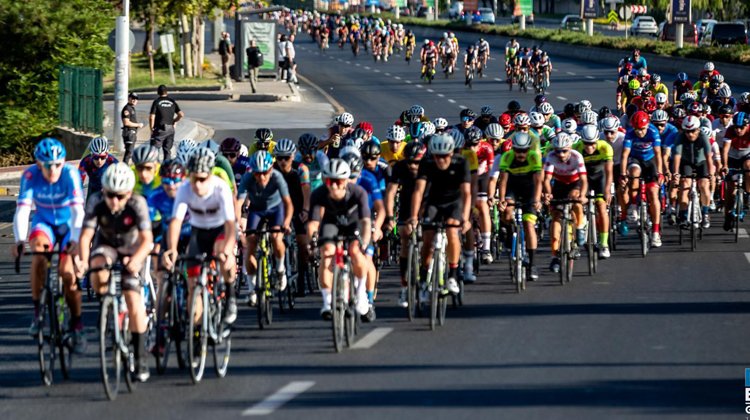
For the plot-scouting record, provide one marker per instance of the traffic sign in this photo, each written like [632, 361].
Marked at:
[638, 9]
[625, 13]
[612, 17]
[111, 40]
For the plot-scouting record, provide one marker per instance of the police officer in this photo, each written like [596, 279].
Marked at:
[165, 113]
[130, 125]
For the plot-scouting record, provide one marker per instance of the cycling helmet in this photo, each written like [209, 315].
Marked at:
[426, 42]
[346, 150]
[118, 178]
[724, 92]
[486, 111]
[243, 150]
[659, 115]
[586, 105]
[655, 78]
[473, 136]
[442, 144]
[610, 123]
[703, 78]
[569, 109]
[445, 35]
[740, 119]
[725, 109]
[689, 95]
[589, 133]
[638, 92]
[145, 153]
[370, 148]
[396, 133]
[416, 110]
[706, 131]
[230, 145]
[366, 127]
[589, 117]
[345, 119]
[745, 97]
[522, 119]
[263, 135]
[709, 66]
[355, 142]
[494, 131]
[354, 160]
[639, 120]
[308, 143]
[643, 72]
[184, 157]
[514, 106]
[569, 125]
[634, 84]
[211, 145]
[696, 108]
[202, 160]
[429, 128]
[285, 147]
[505, 121]
[415, 150]
[718, 78]
[359, 133]
[546, 108]
[691, 123]
[714, 84]
[336, 169]
[49, 150]
[661, 98]
[540, 99]
[604, 112]
[468, 113]
[261, 161]
[537, 119]
[521, 141]
[186, 145]
[99, 146]
[649, 106]
[172, 168]
[682, 77]
[562, 141]
[678, 112]
[458, 138]
[440, 123]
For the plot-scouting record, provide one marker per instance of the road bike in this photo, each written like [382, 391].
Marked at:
[614, 216]
[434, 282]
[412, 274]
[694, 217]
[644, 220]
[172, 317]
[517, 256]
[591, 234]
[738, 209]
[567, 244]
[429, 72]
[470, 71]
[291, 268]
[523, 80]
[267, 275]
[345, 321]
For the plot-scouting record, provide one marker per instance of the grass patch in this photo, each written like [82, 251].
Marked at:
[140, 76]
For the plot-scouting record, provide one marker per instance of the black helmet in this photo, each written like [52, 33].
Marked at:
[514, 106]
[370, 148]
[679, 112]
[308, 143]
[359, 133]
[468, 113]
[631, 109]
[172, 169]
[415, 150]
[725, 109]
[264, 135]
[473, 135]
[569, 109]
[604, 112]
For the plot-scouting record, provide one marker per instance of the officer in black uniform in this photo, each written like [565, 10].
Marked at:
[130, 125]
[165, 113]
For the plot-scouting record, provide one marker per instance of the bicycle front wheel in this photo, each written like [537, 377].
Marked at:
[411, 282]
[338, 310]
[644, 230]
[222, 344]
[564, 251]
[518, 264]
[198, 336]
[434, 291]
[46, 337]
[109, 351]
[165, 323]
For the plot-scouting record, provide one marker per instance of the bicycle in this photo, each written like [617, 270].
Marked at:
[470, 70]
[565, 252]
[694, 216]
[495, 242]
[209, 290]
[172, 319]
[614, 215]
[517, 256]
[412, 274]
[644, 221]
[53, 314]
[434, 281]
[510, 74]
[523, 80]
[738, 209]
[291, 267]
[408, 55]
[591, 234]
[345, 321]
[429, 72]
[267, 276]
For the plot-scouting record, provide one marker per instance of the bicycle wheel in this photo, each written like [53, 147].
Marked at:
[435, 291]
[693, 231]
[109, 351]
[338, 310]
[261, 292]
[222, 344]
[64, 346]
[165, 324]
[411, 282]
[128, 358]
[443, 293]
[644, 230]
[737, 212]
[351, 317]
[563, 252]
[46, 336]
[198, 336]
[518, 264]
[590, 245]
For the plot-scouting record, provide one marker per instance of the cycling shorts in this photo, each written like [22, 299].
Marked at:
[443, 212]
[131, 282]
[329, 231]
[562, 190]
[54, 234]
[274, 216]
[521, 189]
[700, 170]
[597, 182]
[202, 242]
[483, 184]
[734, 163]
[648, 168]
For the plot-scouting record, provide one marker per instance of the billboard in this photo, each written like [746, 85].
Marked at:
[264, 34]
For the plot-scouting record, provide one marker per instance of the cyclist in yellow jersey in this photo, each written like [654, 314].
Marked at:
[392, 150]
[263, 141]
[657, 86]
[146, 169]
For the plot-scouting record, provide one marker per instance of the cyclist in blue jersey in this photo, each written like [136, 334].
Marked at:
[95, 163]
[668, 134]
[369, 183]
[642, 152]
[161, 203]
[230, 148]
[54, 188]
[310, 155]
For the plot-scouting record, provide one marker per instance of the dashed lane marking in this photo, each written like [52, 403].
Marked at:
[562, 98]
[279, 398]
[441, 95]
[397, 77]
[372, 338]
[743, 234]
[451, 101]
[497, 79]
[570, 73]
[590, 77]
[387, 74]
[376, 70]
[367, 67]
[408, 82]
[463, 106]
[430, 90]
[747, 256]
[419, 86]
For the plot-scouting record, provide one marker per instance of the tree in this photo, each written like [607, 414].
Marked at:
[40, 36]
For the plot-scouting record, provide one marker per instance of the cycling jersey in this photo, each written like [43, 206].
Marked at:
[659, 88]
[680, 88]
[160, 206]
[392, 156]
[297, 176]
[508, 163]
[554, 122]
[544, 134]
[617, 146]
[87, 168]
[146, 189]
[254, 148]
[595, 161]
[315, 168]
[263, 197]
[483, 47]
[566, 172]
[346, 212]
[472, 159]
[445, 185]
[668, 136]
[240, 166]
[224, 177]
[379, 172]
[206, 212]
[485, 156]
[693, 152]
[642, 148]
[401, 174]
[740, 145]
[118, 230]
[368, 182]
[535, 143]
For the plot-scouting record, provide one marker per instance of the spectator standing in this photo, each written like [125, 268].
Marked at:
[254, 62]
[165, 113]
[130, 125]
[281, 56]
[290, 63]
[225, 51]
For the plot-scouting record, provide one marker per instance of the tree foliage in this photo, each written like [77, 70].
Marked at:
[39, 36]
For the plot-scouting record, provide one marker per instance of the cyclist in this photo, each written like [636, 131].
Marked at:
[598, 157]
[475, 141]
[522, 124]
[310, 155]
[54, 188]
[485, 118]
[208, 201]
[483, 49]
[410, 42]
[520, 181]
[448, 200]
[339, 208]
[428, 57]
[336, 134]
[567, 168]
[118, 222]
[392, 150]
[545, 68]
[736, 155]
[743, 105]
[657, 86]
[542, 132]
[230, 149]
[95, 164]
[550, 118]
[471, 60]
[263, 141]
[692, 155]
[441, 124]
[511, 49]
[267, 195]
[146, 168]
[680, 86]
[642, 154]
[222, 166]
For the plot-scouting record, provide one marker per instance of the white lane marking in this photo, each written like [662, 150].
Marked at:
[747, 256]
[278, 398]
[554, 69]
[441, 95]
[570, 73]
[611, 81]
[372, 338]
[451, 101]
[367, 67]
[397, 77]
[430, 90]
[463, 106]
[562, 98]
[600, 282]
[348, 62]
[408, 82]
[358, 65]
[743, 234]
[419, 86]
[387, 74]
[341, 60]
[376, 70]
[590, 77]
[497, 79]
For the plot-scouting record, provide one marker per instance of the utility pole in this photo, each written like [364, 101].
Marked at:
[122, 51]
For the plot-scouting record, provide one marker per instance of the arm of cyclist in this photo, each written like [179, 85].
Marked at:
[379, 208]
[416, 199]
[466, 198]
[390, 203]
[538, 180]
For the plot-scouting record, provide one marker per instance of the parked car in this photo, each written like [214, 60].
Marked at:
[456, 10]
[701, 25]
[517, 19]
[572, 23]
[667, 32]
[487, 16]
[724, 33]
[644, 25]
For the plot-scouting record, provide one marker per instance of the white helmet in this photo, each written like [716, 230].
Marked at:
[569, 125]
[118, 178]
[99, 145]
[709, 66]
[244, 151]
[585, 105]
[659, 115]
[522, 119]
[440, 123]
[396, 133]
[661, 98]
[428, 128]
[546, 108]
[494, 131]
[589, 117]
[589, 133]
[284, 147]
[706, 131]
[537, 119]
[336, 169]
[441, 144]
[690, 123]
[724, 92]
[349, 150]
[610, 123]
[562, 141]
[345, 119]
[202, 160]
[521, 141]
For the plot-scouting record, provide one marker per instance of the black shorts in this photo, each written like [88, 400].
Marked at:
[735, 163]
[202, 242]
[521, 188]
[562, 190]
[443, 212]
[597, 182]
[483, 184]
[128, 281]
[329, 231]
[648, 168]
[700, 170]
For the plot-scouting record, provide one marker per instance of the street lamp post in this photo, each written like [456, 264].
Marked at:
[122, 51]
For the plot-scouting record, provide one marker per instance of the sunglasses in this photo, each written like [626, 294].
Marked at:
[695, 130]
[52, 165]
[283, 158]
[230, 155]
[371, 158]
[171, 180]
[112, 195]
[345, 125]
[442, 156]
[520, 151]
[199, 179]
[660, 125]
[561, 151]
[467, 119]
[337, 182]
[145, 167]
[610, 132]
[725, 116]
[258, 174]
[99, 157]
[413, 162]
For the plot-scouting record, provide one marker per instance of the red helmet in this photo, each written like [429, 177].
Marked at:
[365, 125]
[639, 120]
[505, 120]
[649, 105]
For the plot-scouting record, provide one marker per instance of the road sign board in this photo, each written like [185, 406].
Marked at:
[680, 11]
[612, 17]
[638, 9]
[167, 43]
[112, 36]
[625, 13]
[590, 9]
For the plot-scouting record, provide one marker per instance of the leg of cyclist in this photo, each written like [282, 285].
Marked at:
[403, 262]
[452, 254]
[38, 243]
[360, 267]
[529, 222]
[328, 250]
[468, 250]
[279, 252]
[485, 226]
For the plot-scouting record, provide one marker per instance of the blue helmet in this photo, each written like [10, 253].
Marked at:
[416, 130]
[682, 76]
[261, 161]
[49, 150]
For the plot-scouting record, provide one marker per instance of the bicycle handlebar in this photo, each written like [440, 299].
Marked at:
[46, 254]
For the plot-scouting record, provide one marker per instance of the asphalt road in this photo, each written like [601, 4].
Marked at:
[655, 337]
